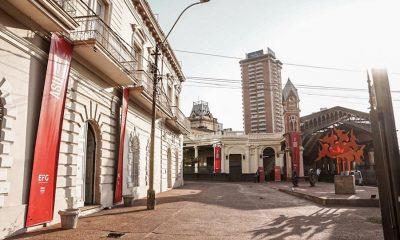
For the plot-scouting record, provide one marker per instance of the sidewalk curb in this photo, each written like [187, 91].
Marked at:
[334, 201]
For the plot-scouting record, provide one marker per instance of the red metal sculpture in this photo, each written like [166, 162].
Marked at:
[342, 147]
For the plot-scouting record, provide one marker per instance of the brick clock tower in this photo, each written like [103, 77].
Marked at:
[291, 114]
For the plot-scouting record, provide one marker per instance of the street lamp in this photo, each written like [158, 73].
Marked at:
[151, 196]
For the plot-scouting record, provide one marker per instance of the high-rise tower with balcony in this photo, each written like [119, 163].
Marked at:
[262, 93]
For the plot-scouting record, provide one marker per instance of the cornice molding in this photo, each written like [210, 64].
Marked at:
[143, 8]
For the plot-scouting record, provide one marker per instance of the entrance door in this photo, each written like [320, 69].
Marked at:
[90, 166]
[210, 164]
[269, 164]
[235, 167]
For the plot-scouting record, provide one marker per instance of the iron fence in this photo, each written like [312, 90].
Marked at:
[181, 117]
[93, 28]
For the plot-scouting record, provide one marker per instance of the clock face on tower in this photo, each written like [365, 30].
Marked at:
[292, 103]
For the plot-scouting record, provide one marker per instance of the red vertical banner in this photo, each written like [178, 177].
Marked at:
[118, 182]
[217, 159]
[261, 174]
[277, 174]
[294, 144]
[45, 161]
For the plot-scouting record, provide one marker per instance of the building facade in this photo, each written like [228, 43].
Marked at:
[211, 153]
[201, 119]
[112, 41]
[262, 93]
[232, 156]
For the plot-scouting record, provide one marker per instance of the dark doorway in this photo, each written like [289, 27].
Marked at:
[90, 166]
[235, 167]
[269, 164]
[210, 164]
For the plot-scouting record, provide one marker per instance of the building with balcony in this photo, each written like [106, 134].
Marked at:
[113, 42]
[262, 93]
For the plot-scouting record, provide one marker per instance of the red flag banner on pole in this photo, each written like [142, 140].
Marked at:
[118, 182]
[294, 143]
[217, 157]
[45, 161]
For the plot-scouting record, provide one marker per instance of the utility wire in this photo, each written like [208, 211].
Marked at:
[284, 63]
[305, 93]
[299, 86]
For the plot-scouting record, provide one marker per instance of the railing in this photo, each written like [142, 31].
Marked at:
[144, 79]
[69, 6]
[93, 28]
[181, 117]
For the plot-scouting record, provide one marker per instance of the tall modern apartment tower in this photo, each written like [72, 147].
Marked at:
[262, 93]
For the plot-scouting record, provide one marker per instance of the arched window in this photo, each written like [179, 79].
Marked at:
[135, 151]
[293, 124]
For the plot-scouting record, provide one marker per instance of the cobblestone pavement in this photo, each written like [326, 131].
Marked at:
[209, 210]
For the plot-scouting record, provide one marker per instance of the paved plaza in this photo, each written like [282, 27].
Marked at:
[210, 210]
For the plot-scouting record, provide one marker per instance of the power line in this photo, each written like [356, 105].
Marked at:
[284, 63]
[238, 85]
[305, 93]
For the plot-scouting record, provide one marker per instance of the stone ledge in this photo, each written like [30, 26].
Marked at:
[331, 202]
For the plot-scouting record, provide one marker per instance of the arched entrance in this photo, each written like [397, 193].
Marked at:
[269, 163]
[90, 166]
[169, 170]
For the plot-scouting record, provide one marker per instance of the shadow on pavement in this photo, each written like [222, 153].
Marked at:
[303, 227]
[39, 233]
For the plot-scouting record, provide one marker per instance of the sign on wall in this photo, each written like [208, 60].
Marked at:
[294, 144]
[45, 161]
[118, 182]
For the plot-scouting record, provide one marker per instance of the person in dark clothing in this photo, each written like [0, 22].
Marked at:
[257, 176]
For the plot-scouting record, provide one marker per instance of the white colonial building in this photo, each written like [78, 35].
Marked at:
[112, 45]
[212, 153]
[241, 155]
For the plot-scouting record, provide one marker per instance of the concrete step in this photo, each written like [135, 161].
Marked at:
[90, 209]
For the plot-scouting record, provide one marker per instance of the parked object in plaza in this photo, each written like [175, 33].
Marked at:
[69, 218]
[129, 200]
[295, 179]
[312, 177]
[358, 176]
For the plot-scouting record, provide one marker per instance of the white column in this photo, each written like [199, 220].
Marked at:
[371, 159]
[249, 159]
[288, 164]
[214, 145]
[301, 174]
[196, 156]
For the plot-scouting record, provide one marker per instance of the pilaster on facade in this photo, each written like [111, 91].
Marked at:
[8, 115]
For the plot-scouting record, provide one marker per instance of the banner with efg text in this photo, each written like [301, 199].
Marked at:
[118, 181]
[45, 161]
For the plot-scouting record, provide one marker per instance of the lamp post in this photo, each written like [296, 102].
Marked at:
[151, 196]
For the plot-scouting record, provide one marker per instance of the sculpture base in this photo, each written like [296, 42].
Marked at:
[345, 184]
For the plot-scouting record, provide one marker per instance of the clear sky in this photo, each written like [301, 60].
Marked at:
[351, 34]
